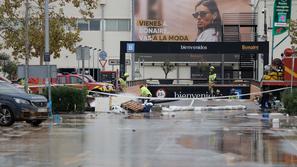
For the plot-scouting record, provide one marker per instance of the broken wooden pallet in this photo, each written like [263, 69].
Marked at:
[132, 106]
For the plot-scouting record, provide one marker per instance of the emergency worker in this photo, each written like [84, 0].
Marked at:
[211, 79]
[123, 82]
[144, 91]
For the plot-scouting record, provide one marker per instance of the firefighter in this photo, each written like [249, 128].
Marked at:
[211, 79]
[123, 82]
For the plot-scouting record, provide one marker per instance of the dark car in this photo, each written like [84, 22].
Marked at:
[17, 105]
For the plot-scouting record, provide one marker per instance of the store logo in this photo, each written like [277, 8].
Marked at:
[161, 93]
[249, 47]
[130, 47]
[191, 95]
[282, 18]
[199, 47]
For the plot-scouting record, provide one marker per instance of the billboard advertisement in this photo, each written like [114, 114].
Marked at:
[183, 20]
[282, 16]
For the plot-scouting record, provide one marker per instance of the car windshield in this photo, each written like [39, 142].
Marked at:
[89, 78]
[8, 88]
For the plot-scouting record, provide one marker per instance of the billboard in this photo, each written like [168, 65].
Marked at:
[183, 20]
[282, 16]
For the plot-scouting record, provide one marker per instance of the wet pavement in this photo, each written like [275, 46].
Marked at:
[222, 138]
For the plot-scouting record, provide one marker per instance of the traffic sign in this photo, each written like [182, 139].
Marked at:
[47, 57]
[103, 55]
[83, 53]
[103, 62]
[117, 61]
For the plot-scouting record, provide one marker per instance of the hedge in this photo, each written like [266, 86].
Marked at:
[290, 101]
[67, 99]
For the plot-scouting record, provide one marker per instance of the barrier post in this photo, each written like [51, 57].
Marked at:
[110, 102]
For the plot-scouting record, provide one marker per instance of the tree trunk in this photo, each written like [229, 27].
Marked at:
[41, 58]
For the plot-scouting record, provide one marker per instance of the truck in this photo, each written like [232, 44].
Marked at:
[73, 80]
[280, 74]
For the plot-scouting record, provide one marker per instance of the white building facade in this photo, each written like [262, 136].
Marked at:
[112, 23]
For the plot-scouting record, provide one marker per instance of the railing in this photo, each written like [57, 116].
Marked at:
[249, 19]
[136, 82]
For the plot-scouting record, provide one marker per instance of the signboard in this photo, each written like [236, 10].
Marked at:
[200, 47]
[130, 47]
[117, 61]
[282, 16]
[38, 71]
[47, 57]
[196, 91]
[183, 20]
[83, 53]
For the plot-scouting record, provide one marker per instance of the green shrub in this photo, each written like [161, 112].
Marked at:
[290, 101]
[67, 99]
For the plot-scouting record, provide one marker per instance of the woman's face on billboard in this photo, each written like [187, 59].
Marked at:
[203, 16]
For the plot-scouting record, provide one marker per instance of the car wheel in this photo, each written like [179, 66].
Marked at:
[6, 116]
[35, 122]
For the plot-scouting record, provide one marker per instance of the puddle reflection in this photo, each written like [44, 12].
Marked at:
[247, 145]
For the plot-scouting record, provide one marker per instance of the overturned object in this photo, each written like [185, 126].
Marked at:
[189, 108]
[117, 110]
[132, 106]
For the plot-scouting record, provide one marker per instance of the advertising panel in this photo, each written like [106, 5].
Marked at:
[183, 20]
[282, 15]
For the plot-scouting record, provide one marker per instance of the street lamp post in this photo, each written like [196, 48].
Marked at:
[94, 49]
[26, 45]
[47, 54]
[265, 20]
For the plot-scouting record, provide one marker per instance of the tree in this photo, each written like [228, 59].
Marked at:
[10, 68]
[7, 66]
[167, 67]
[63, 30]
[4, 56]
[293, 31]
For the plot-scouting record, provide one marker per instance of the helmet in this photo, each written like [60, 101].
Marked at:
[212, 67]
[266, 68]
[126, 74]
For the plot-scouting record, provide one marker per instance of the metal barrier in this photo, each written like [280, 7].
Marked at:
[136, 82]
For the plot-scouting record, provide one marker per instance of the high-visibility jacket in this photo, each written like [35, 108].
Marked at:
[123, 84]
[145, 92]
[212, 78]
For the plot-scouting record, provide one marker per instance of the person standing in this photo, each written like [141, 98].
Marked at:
[208, 20]
[211, 79]
[123, 82]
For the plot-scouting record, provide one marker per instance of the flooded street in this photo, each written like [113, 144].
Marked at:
[186, 140]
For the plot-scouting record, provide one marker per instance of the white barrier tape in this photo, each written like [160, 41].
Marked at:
[188, 108]
[44, 86]
[183, 98]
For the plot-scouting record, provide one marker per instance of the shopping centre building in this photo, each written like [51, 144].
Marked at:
[176, 21]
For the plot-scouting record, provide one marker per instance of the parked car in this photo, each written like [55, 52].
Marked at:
[17, 105]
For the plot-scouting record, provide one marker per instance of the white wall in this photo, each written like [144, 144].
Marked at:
[113, 9]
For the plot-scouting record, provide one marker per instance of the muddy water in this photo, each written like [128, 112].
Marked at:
[244, 145]
[114, 141]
